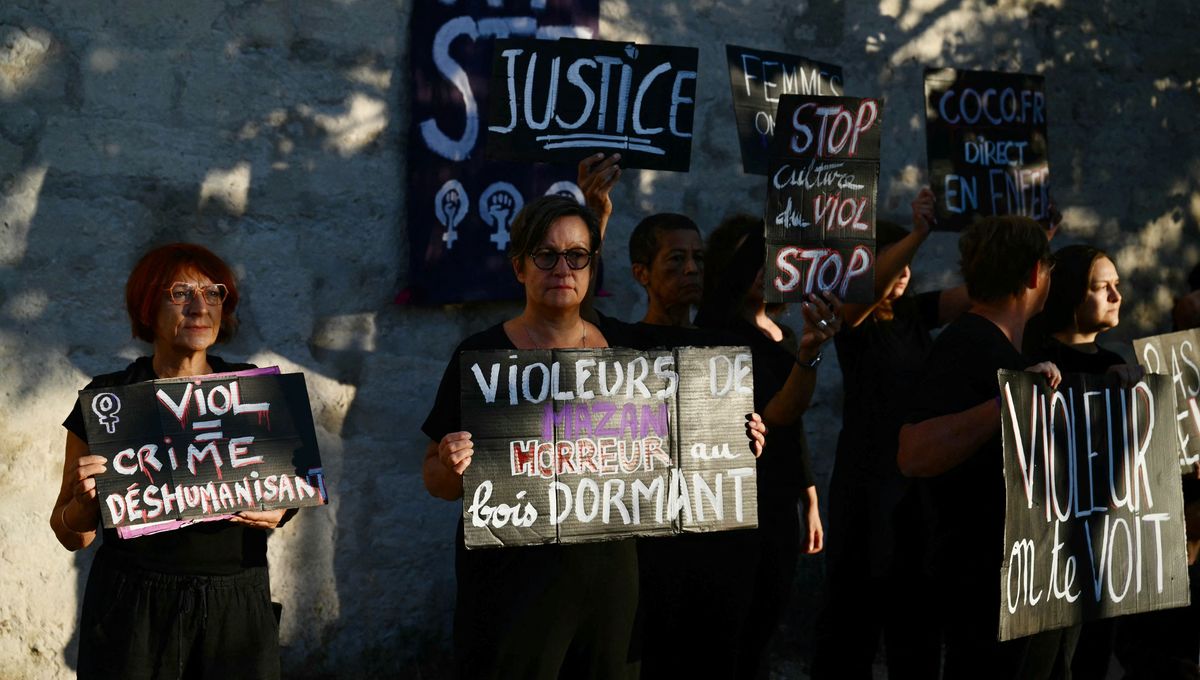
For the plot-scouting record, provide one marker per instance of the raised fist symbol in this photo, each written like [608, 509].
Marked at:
[498, 205]
[449, 206]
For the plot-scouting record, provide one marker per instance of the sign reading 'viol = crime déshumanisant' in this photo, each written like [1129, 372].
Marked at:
[184, 449]
[821, 190]
[586, 445]
[559, 101]
[986, 143]
[1093, 524]
[758, 78]
[1178, 355]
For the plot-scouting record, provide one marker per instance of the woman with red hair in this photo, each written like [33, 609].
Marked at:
[195, 601]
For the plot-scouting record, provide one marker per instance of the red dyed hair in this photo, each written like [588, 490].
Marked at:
[161, 267]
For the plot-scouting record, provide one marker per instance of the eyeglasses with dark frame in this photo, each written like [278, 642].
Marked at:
[546, 259]
[182, 293]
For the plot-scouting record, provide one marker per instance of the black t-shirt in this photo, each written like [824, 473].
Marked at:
[881, 361]
[968, 500]
[205, 548]
[1071, 360]
[535, 570]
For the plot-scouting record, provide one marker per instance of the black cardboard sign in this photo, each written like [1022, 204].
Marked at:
[1178, 355]
[821, 191]
[1094, 509]
[190, 448]
[575, 446]
[559, 101]
[985, 134]
[758, 78]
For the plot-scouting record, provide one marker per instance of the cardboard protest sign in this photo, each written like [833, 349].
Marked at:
[557, 102]
[1093, 523]
[460, 205]
[985, 134]
[758, 78]
[206, 446]
[821, 189]
[1178, 356]
[576, 446]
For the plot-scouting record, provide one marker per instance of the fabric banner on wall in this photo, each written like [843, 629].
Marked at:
[460, 207]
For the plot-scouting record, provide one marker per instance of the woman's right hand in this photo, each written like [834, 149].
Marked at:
[83, 490]
[455, 451]
[924, 210]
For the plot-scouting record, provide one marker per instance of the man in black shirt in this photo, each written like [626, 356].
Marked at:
[953, 438]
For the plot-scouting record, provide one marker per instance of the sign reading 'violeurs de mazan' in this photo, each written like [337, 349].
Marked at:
[576, 446]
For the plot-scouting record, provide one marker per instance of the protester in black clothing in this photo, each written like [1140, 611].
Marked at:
[733, 302]
[953, 437]
[539, 611]
[196, 601]
[1084, 301]
[666, 255]
[876, 582]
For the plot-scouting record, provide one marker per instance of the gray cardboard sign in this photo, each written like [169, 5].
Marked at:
[1178, 356]
[1093, 524]
[576, 446]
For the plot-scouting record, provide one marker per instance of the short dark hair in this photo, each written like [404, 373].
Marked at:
[534, 220]
[721, 246]
[643, 242]
[998, 253]
[155, 271]
[1068, 285]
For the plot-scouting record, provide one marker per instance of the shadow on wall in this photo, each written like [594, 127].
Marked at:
[269, 132]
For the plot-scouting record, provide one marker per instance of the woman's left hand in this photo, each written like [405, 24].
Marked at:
[814, 533]
[756, 432]
[265, 519]
[822, 321]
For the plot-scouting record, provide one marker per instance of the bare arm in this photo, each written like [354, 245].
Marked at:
[77, 506]
[790, 402]
[814, 531]
[890, 264]
[937, 445]
[596, 176]
[445, 463]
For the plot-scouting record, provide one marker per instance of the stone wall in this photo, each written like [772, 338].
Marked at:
[275, 132]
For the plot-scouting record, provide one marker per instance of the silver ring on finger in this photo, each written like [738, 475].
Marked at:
[823, 324]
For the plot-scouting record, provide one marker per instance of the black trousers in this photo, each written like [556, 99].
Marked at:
[877, 584]
[139, 624]
[545, 612]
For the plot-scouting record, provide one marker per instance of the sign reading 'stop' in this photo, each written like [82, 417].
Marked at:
[558, 101]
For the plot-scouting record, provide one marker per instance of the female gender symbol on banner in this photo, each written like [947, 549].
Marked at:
[450, 207]
[106, 405]
[498, 205]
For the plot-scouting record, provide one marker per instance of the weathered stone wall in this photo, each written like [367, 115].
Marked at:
[275, 132]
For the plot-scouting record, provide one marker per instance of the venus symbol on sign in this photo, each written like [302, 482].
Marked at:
[498, 205]
[450, 207]
[106, 405]
[566, 189]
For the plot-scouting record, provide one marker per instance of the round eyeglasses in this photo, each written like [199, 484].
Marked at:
[213, 294]
[546, 259]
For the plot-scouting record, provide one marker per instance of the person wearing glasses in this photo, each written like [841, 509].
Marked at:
[193, 602]
[538, 611]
